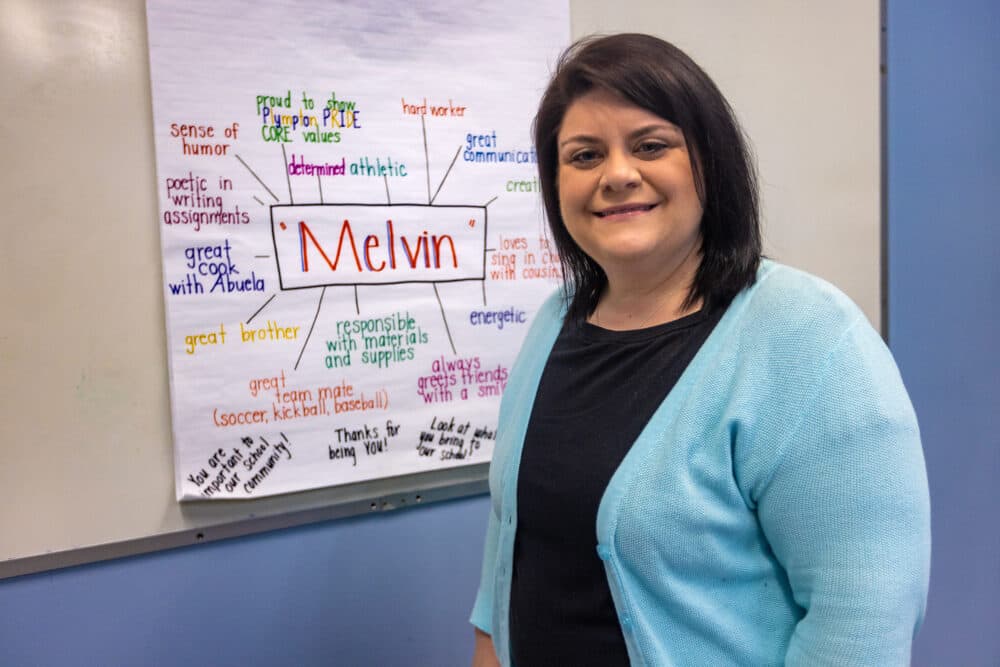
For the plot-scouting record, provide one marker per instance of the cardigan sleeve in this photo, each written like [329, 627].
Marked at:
[482, 609]
[845, 508]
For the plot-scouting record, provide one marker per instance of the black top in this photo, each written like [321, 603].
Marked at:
[598, 390]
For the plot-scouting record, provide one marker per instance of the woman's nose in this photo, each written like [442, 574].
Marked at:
[620, 173]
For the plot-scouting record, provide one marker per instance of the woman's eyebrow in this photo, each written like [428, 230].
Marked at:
[580, 138]
[645, 129]
[653, 127]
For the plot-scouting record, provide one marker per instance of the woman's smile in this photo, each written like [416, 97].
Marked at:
[624, 212]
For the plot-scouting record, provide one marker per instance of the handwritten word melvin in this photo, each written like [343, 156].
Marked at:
[370, 244]
[425, 247]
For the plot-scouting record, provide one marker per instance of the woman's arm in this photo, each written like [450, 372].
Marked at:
[844, 506]
[483, 655]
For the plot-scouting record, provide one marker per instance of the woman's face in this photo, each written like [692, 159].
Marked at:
[626, 188]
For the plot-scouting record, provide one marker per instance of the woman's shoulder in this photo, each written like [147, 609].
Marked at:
[789, 302]
[780, 286]
[790, 318]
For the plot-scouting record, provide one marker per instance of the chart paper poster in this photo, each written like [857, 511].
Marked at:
[352, 236]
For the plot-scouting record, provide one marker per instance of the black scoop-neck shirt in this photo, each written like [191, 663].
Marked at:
[598, 390]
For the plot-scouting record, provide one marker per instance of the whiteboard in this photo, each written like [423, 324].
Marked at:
[87, 466]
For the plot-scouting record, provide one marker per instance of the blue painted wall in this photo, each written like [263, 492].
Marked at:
[395, 589]
[944, 301]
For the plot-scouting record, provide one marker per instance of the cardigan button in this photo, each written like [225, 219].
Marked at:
[603, 552]
[626, 623]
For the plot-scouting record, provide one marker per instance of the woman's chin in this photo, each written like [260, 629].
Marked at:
[624, 260]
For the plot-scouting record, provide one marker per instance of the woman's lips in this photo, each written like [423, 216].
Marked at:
[624, 211]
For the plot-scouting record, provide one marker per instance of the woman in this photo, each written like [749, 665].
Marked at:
[705, 458]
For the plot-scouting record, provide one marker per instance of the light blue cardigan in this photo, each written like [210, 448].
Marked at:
[773, 510]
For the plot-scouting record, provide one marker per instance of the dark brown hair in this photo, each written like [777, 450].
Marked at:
[657, 76]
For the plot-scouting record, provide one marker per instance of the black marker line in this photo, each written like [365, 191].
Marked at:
[457, 151]
[387, 197]
[319, 182]
[490, 201]
[288, 178]
[261, 308]
[252, 173]
[484, 294]
[311, 327]
[445, 318]
[259, 201]
[427, 159]
[261, 256]
[357, 308]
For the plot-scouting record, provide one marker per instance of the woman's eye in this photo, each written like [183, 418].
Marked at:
[584, 157]
[651, 148]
